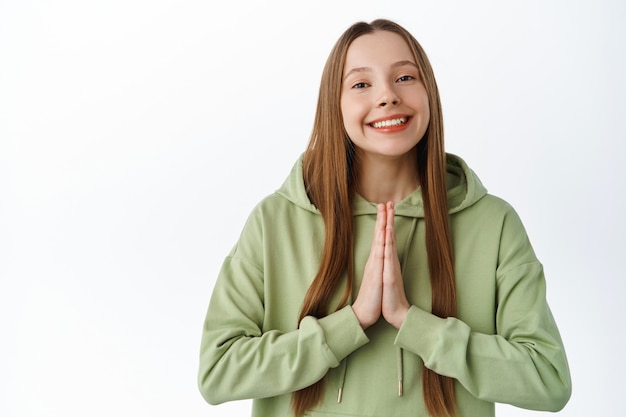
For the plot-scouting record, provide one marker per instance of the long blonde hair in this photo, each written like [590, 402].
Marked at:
[329, 177]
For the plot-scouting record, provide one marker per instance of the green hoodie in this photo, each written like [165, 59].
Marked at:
[503, 347]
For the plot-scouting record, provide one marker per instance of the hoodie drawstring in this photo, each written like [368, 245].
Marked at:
[342, 378]
[400, 364]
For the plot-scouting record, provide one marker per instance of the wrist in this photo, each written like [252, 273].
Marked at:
[399, 316]
[361, 317]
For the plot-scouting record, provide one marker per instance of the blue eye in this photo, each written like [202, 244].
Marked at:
[359, 85]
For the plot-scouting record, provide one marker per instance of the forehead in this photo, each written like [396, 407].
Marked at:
[380, 47]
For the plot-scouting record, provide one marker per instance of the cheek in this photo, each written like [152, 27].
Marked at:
[425, 105]
[353, 110]
[348, 112]
[425, 102]
[351, 120]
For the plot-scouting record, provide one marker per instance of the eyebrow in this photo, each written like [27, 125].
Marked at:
[369, 69]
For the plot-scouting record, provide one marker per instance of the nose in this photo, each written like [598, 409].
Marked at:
[388, 97]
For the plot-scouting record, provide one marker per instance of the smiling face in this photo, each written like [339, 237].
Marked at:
[384, 103]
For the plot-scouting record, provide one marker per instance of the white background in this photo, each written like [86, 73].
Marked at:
[136, 136]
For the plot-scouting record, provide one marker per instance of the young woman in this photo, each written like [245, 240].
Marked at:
[381, 279]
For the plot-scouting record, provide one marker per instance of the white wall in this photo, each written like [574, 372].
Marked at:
[136, 136]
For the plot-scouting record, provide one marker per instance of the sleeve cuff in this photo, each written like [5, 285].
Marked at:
[419, 332]
[343, 332]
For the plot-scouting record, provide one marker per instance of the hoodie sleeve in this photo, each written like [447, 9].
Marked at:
[524, 363]
[240, 358]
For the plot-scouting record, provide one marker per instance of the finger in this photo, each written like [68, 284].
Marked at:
[390, 232]
[391, 267]
[378, 243]
[381, 216]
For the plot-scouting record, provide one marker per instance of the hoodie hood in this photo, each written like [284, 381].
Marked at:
[463, 185]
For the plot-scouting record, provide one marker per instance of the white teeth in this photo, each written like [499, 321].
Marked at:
[388, 123]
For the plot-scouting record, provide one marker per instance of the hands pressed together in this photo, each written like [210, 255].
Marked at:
[382, 288]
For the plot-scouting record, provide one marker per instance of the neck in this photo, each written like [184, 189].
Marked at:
[383, 179]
